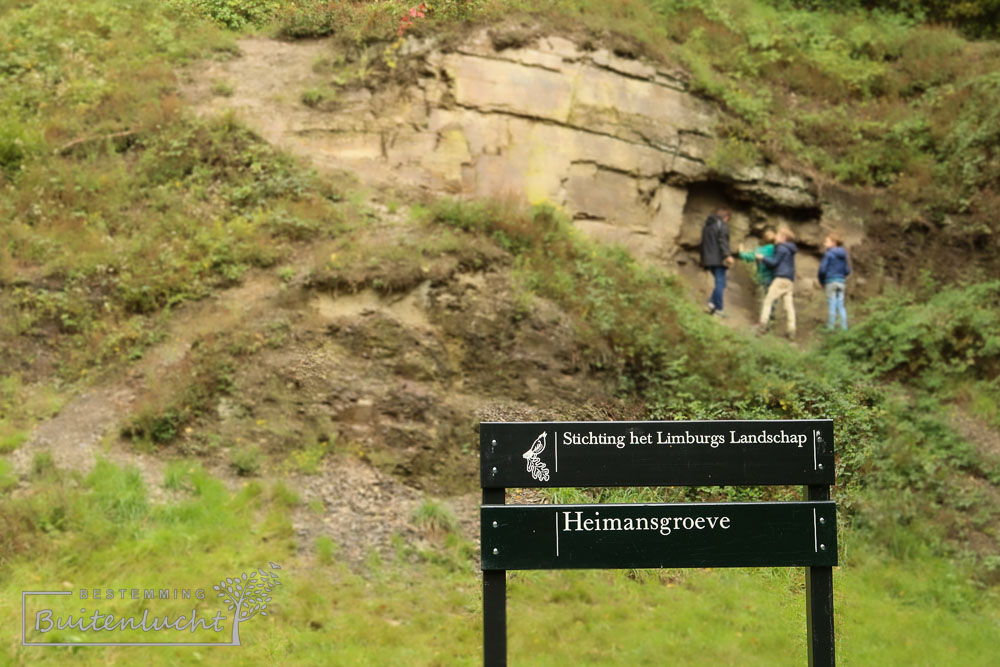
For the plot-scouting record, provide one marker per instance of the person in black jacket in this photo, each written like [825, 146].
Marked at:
[716, 255]
[782, 263]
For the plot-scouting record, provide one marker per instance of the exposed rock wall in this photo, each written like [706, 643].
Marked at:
[614, 142]
[621, 146]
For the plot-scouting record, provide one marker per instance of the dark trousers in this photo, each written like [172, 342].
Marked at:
[719, 274]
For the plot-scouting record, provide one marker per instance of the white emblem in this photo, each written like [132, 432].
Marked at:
[535, 466]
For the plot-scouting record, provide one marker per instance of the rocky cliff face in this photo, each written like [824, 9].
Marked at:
[620, 145]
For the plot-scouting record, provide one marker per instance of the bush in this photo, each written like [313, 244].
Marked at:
[314, 19]
[233, 14]
[953, 334]
[313, 97]
[246, 460]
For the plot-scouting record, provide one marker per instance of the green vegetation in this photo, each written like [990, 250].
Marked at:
[313, 97]
[86, 534]
[246, 460]
[976, 17]
[903, 471]
[932, 339]
[117, 207]
[307, 460]
[434, 516]
[223, 89]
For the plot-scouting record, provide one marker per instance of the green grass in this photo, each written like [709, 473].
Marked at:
[118, 207]
[434, 516]
[424, 607]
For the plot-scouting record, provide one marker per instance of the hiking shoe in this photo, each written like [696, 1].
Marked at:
[710, 308]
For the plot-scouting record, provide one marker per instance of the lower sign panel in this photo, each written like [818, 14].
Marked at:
[552, 537]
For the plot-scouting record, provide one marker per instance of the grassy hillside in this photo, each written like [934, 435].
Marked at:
[117, 208]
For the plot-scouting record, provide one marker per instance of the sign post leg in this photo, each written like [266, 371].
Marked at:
[819, 602]
[494, 602]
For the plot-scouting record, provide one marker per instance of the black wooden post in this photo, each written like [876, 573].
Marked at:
[819, 601]
[494, 602]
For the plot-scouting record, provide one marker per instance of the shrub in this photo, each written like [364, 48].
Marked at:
[314, 19]
[223, 89]
[233, 14]
[245, 460]
[312, 97]
[954, 333]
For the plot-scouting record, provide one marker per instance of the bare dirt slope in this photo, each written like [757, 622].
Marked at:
[388, 387]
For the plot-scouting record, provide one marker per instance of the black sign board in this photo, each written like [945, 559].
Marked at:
[691, 453]
[551, 537]
[697, 453]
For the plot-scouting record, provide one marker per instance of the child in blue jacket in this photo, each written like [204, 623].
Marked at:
[782, 265]
[833, 272]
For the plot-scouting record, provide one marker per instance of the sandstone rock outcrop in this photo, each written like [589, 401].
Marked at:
[620, 145]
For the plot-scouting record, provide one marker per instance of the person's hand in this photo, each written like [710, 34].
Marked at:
[758, 257]
[728, 261]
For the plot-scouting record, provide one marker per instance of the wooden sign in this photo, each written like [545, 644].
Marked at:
[552, 537]
[692, 453]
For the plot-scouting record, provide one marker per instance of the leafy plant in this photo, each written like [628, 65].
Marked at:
[223, 89]
[951, 333]
[246, 460]
[234, 14]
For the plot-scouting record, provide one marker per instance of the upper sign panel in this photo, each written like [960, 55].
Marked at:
[651, 453]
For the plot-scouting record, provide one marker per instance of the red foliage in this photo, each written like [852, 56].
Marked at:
[414, 13]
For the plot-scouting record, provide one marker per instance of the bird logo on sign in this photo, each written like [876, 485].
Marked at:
[536, 467]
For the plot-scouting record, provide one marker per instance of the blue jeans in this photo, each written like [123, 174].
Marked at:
[719, 273]
[835, 300]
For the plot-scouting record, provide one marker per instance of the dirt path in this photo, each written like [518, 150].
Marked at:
[358, 506]
[87, 426]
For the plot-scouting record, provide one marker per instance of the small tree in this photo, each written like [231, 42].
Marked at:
[246, 596]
